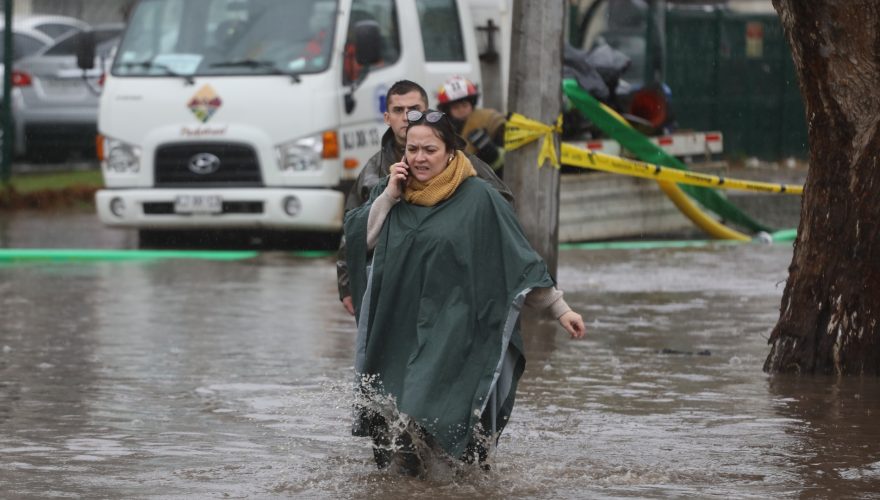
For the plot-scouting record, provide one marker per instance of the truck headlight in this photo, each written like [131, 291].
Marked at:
[292, 205]
[117, 207]
[121, 157]
[301, 155]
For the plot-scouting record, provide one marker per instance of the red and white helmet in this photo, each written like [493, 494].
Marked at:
[455, 89]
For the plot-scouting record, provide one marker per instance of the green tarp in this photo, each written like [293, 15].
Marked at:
[648, 152]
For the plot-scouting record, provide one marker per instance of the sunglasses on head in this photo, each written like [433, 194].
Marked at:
[429, 116]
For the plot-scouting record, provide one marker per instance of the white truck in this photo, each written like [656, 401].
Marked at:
[256, 114]
[259, 114]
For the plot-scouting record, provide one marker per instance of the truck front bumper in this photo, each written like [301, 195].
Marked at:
[258, 208]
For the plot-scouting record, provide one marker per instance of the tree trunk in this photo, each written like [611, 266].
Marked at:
[535, 90]
[830, 313]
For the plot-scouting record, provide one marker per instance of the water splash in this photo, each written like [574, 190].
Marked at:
[401, 445]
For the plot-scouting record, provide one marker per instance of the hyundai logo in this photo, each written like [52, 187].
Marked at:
[204, 164]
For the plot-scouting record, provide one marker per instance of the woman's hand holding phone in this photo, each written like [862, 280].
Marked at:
[399, 176]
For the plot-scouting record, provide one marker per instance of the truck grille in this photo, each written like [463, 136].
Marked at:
[217, 165]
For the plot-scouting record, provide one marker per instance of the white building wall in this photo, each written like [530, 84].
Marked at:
[22, 7]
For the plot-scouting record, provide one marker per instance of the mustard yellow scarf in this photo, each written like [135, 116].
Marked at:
[441, 187]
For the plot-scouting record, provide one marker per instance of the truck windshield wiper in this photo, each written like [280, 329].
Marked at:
[149, 64]
[257, 63]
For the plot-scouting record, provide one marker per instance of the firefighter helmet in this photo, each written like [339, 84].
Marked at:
[456, 89]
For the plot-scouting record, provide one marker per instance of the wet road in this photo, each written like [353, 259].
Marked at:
[189, 378]
[69, 229]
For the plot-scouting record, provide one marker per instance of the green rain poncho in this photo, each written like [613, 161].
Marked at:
[438, 309]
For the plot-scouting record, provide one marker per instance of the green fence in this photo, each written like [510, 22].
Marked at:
[733, 72]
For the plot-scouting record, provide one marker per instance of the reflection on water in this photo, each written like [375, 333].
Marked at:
[838, 438]
[197, 378]
[48, 229]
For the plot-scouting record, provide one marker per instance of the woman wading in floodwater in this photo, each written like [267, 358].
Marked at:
[438, 305]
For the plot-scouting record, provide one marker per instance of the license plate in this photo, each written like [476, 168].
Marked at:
[198, 203]
[59, 85]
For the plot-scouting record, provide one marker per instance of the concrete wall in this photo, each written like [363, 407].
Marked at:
[21, 7]
[600, 206]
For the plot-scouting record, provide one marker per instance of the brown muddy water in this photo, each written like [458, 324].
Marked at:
[207, 379]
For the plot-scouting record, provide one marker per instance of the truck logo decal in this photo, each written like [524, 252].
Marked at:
[204, 164]
[205, 103]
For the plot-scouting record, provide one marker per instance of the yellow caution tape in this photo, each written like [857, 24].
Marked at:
[584, 158]
[520, 131]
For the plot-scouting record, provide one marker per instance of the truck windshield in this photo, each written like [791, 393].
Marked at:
[227, 37]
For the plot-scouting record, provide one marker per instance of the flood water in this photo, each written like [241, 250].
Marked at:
[208, 379]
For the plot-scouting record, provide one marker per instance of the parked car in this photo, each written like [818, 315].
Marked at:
[54, 27]
[56, 108]
[25, 41]
[32, 33]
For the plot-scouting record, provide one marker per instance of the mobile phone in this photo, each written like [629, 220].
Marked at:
[403, 182]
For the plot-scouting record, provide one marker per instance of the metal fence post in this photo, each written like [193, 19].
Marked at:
[7, 131]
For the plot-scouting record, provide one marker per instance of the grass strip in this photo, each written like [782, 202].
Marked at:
[40, 181]
[50, 190]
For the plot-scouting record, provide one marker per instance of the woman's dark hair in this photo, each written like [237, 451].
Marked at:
[441, 124]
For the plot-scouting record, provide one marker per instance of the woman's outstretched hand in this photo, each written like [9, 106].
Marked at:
[573, 324]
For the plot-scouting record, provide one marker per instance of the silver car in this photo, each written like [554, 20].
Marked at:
[30, 34]
[55, 105]
[24, 41]
[53, 26]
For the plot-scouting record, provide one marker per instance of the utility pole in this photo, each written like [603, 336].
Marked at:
[536, 92]
[6, 138]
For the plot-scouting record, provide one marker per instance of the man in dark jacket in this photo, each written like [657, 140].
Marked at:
[402, 97]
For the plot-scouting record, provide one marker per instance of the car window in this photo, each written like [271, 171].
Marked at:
[25, 45]
[56, 30]
[104, 41]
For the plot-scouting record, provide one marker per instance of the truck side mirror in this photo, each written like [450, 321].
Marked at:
[85, 50]
[367, 51]
[368, 43]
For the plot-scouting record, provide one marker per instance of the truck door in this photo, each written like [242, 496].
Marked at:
[448, 44]
[362, 126]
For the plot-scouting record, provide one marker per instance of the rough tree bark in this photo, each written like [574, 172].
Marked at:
[830, 313]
